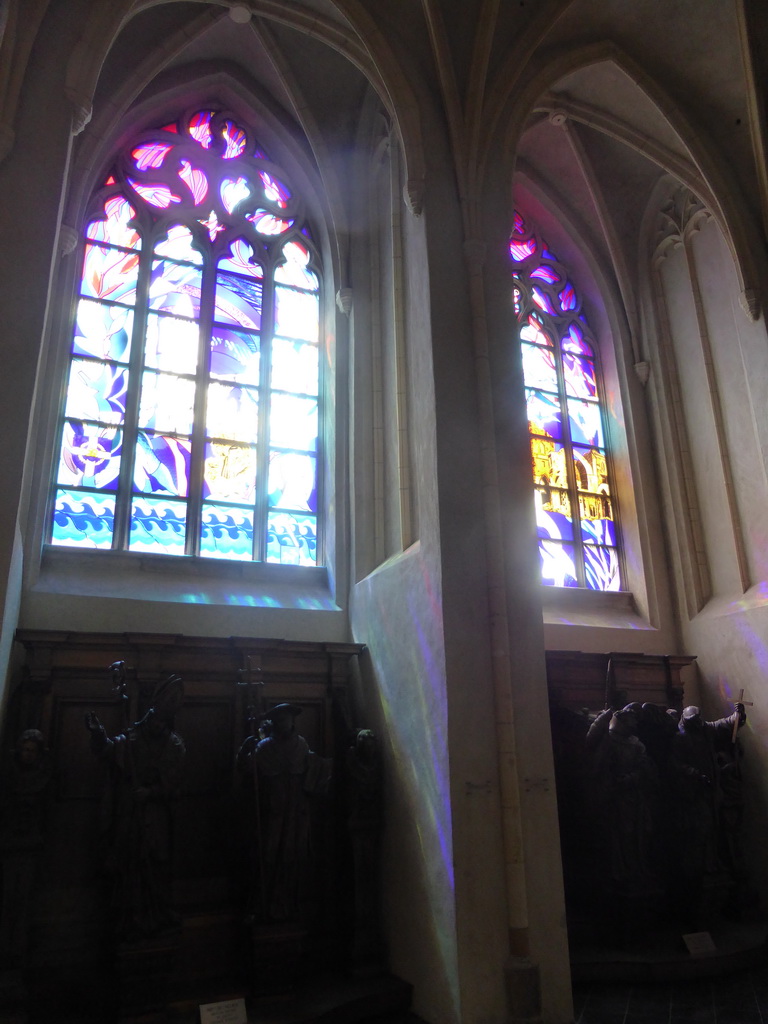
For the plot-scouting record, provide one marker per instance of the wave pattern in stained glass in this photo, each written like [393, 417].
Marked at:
[575, 513]
[191, 423]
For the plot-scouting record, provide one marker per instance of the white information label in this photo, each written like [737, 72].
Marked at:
[230, 1011]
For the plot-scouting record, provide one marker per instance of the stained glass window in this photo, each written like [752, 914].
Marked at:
[573, 493]
[191, 423]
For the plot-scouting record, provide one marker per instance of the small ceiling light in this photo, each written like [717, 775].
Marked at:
[240, 14]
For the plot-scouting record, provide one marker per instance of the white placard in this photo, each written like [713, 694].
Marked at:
[230, 1011]
[699, 943]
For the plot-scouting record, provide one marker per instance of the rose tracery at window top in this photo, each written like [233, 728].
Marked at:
[578, 542]
[191, 419]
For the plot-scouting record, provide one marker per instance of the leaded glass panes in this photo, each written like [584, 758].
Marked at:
[575, 513]
[191, 423]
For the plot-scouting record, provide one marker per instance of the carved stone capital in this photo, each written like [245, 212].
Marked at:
[344, 300]
[643, 372]
[68, 238]
[413, 194]
[750, 303]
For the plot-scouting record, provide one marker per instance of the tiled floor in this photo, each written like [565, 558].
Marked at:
[740, 998]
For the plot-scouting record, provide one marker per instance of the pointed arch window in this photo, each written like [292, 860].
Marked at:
[574, 495]
[191, 419]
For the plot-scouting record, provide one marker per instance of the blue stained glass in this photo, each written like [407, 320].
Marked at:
[83, 520]
[292, 481]
[157, 526]
[545, 274]
[568, 298]
[175, 288]
[586, 424]
[539, 370]
[90, 456]
[580, 376]
[291, 539]
[293, 422]
[232, 413]
[167, 403]
[110, 274]
[102, 331]
[234, 355]
[552, 525]
[296, 314]
[294, 366]
[573, 341]
[544, 414]
[601, 566]
[227, 532]
[598, 531]
[239, 260]
[96, 392]
[558, 566]
[238, 301]
[161, 465]
[171, 343]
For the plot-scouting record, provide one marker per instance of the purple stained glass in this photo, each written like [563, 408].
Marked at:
[544, 414]
[580, 377]
[83, 520]
[292, 481]
[543, 301]
[601, 568]
[96, 392]
[114, 229]
[90, 455]
[294, 366]
[195, 180]
[230, 473]
[293, 422]
[102, 331]
[238, 301]
[545, 274]
[539, 370]
[239, 260]
[573, 341]
[586, 423]
[234, 355]
[568, 299]
[234, 140]
[291, 539]
[110, 274]
[171, 344]
[294, 271]
[158, 526]
[554, 517]
[267, 224]
[175, 288]
[234, 191]
[558, 564]
[232, 413]
[155, 194]
[522, 250]
[599, 531]
[167, 403]
[296, 314]
[274, 190]
[150, 154]
[161, 465]
[518, 224]
[227, 532]
[178, 245]
[200, 128]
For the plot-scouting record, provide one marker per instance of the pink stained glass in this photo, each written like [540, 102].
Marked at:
[150, 154]
[239, 260]
[195, 180]
[274, 190]
[103, 331]
[532, 332]
[167, 403]
[200, 128]
[110, 180]
[568, 299]
[155, 195]
[212, 225]
[295, 269]
[234, 191]
[543, 301]
[171, 128]
[546, 274]
[520, 251]
[580, 376]
[178, 245]
[267, 224]
[115, 228]
[230, 473]
[573, 341]
[539, 368]
[232, 413]
[234, 140]
[294, 366]
[175, 288]
[518, 224]
[110, 274]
